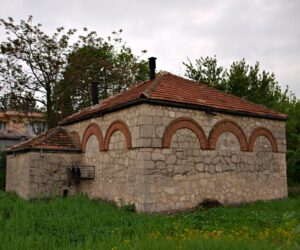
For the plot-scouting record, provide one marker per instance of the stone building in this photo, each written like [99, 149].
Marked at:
[17, 126]
[165, 144]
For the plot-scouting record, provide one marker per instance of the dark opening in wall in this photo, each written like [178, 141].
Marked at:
[65, 192]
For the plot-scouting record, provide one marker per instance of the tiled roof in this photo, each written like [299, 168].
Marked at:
[57, 138]
[171, 89]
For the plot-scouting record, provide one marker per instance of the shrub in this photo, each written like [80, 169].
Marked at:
[293, 165]
[128, 207]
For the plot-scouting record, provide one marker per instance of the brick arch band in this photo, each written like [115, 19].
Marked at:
[92, 129]
[223, 127]
[261, 131]
[181, 123]
[117, 125]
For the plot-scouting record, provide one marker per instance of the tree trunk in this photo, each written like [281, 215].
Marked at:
[50, 115]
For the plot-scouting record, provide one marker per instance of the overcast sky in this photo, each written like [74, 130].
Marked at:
[172, 30]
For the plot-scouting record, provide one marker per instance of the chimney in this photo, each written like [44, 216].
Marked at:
[94, 93]
[152, 66]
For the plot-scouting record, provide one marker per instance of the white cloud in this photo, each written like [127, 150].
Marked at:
[261, 30]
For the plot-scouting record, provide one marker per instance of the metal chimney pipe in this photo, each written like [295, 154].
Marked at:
[94, 93]
[152, 67]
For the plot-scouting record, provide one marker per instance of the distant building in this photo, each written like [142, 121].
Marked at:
[17, 126]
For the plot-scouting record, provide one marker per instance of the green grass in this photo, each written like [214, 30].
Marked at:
[79, 223]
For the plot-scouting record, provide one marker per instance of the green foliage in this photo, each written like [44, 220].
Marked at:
[292, 223]
[256, 85]
[11, 101]
[206, 70]
[249, 83]
[110, 63]
[31, 61]
[49, 72]
[293, 169]
[80, 223]
[293, 123]
[130, 207]
[242, 80]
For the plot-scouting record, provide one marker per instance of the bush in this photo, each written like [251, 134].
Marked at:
[2, 169]
[293, 165]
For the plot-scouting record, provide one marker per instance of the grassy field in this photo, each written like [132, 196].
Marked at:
[80, 223]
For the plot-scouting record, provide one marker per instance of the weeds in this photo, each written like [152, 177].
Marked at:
[79, 223]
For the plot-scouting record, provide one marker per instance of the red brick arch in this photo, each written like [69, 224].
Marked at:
[261, 131]
[223, 127]
[92, 129]
[187, 123]
[117, 125]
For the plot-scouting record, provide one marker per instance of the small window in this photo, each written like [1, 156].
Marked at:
[36, 127]
[2, 126]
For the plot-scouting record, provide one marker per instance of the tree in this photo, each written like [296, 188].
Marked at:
[39, 66]
[206, 70]
[250, 83]
[293, 124]
[112, 65]
[33, 60]
[11, 101]
[243, 80]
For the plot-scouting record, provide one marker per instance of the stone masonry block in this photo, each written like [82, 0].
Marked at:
[147, 131]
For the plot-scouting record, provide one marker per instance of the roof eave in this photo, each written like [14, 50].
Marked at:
[142, 100]
[213, 109]
[16, 138]
[152, 101]
[43, 149]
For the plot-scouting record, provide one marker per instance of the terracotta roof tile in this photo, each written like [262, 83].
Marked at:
[56, 138]
[175, 89]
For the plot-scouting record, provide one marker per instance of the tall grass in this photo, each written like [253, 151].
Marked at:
[79, 223]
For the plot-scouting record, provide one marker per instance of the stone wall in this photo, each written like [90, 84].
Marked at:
[164, 158]
[130, 117]
[119, 172]
[36, 175]
[184, 172]
[184, 175]
[112, 144]
[17, 174]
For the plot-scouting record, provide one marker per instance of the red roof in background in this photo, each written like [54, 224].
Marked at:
[171, 89]
[56, 138]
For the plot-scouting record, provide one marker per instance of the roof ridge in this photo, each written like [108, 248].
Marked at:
[50, 134]
[43, 138]
[148, 92]
[124, 91]
[29, 140]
